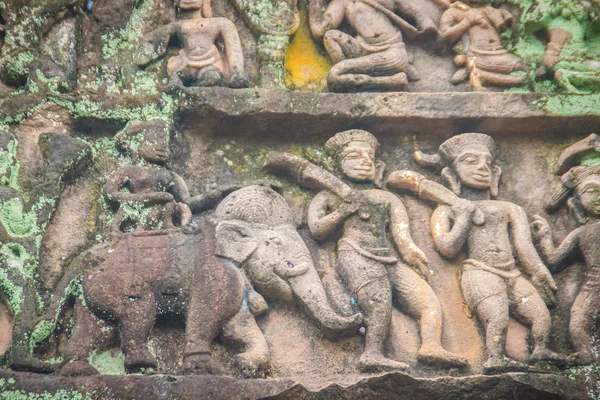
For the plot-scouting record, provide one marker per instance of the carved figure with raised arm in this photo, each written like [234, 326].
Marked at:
[580, 188]
[372, 272]
[376, 58]
[200, 61]
[484, 59]
[493, 287]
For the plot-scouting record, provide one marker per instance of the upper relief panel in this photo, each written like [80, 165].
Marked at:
[111, 47]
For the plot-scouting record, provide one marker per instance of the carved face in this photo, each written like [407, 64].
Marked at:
[474, 168]
[588, 193]
[357, 161]
[155, 148]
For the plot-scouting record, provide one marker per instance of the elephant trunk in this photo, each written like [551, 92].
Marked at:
[309, 291]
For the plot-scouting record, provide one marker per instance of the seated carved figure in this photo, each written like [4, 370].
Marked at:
[374, 59]
[582, 184]
[200, 62]
[366, 262]
[492, 285]
[486, 61]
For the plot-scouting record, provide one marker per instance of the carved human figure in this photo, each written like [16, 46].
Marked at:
[200, 62]
[376, 58]
[581, 185]
[492, 285]
[486, 61]
[365, 261]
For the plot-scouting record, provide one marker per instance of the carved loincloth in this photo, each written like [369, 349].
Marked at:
[183, 61]
[498, 61]
[359, 267]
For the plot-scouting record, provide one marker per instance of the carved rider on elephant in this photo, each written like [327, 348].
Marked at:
[376, 58]
[492, 285]
[581, 186]
[200, 62]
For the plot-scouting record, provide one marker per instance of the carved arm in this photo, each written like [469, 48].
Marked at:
[154, 45]
[233, 46]
[450, 231]
[320, 223]
[555, 256]
[454, 24]
[322, 21]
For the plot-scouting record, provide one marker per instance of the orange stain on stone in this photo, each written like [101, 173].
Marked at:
[305, 67]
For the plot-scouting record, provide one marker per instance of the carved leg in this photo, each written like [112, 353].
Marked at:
[583, 321]
[486, 295]
[531, 310]
[417, 298]
[211, 75]
[88, 334]
[340, 46]
[385, 70]
[375, 301]
[243, 331]
[136, 322]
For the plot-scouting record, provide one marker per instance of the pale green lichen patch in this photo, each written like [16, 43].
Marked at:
[125, 39]
[9, 167]
[16, 221]
[40, 333]
[111, 362]
[61, 394]
[591, 160]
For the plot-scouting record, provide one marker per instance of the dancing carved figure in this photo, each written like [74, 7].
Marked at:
[374, 59]
[486, 62]
[581, 186]
[492, 285]
[365, 261]
[200, 61]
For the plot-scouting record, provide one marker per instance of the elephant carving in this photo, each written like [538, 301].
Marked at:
[192, 272]
[257, 232]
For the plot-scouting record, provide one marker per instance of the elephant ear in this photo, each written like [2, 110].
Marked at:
[236, 240]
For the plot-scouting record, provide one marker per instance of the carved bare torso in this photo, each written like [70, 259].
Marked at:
[490, 242]
[369, 23]
[198, 36]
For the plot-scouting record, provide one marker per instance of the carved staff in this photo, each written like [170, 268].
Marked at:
[307, 174]
[428, 190]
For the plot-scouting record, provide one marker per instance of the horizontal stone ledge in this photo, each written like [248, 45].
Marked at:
[391, 386]
[265, 111]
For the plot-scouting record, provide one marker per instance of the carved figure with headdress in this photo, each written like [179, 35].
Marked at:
[493, 287]
[580, 189]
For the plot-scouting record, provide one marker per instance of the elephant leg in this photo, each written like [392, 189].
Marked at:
[88, 334]
[136, 321]
[243, 331]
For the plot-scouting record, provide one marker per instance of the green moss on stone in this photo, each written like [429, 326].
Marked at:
[111, 362]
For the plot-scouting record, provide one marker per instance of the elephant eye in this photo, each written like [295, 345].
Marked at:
[290, 265]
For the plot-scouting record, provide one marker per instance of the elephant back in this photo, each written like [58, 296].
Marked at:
[255, 204]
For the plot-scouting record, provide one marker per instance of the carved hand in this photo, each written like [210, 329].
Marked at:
[415, 256]
[540, 227]
[474, 17]
[546, 287]
[464, 209]
[351, 204]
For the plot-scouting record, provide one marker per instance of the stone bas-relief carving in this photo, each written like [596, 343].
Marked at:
[492, 285]
[581, 186]
[483, 57]
[200, 61]
[365, 261]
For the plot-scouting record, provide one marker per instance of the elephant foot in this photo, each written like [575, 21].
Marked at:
[252, 364]
[77, 368]
[201, 364]
[28, 362]
[139, 358]
[441, 358]
[499, 365]
[378, 363]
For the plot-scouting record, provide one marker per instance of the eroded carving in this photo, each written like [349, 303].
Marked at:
[372, 272]
[200, 61]
[492, 285]
[580, 188]
[485, 60]
[374, 59]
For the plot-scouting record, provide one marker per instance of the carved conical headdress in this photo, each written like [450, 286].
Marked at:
[255, 204]
[340, 140]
